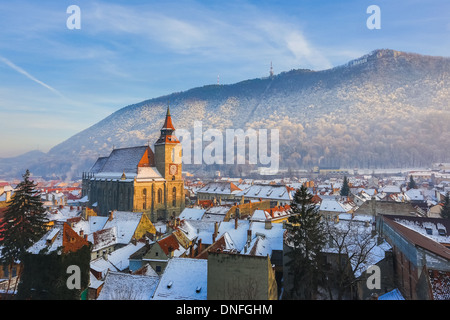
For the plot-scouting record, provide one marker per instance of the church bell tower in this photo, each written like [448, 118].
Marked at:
[168, 152]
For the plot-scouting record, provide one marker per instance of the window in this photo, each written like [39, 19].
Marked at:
[144, 204]
[158, 269]
[159, 195]
[174, 196]
[441, 232]
[429, 231]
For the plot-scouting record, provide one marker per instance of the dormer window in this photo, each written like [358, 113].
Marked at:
[429, 231]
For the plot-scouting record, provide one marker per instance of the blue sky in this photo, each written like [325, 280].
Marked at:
[56, 82]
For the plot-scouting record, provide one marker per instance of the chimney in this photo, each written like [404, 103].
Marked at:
[235, 222]
[373, 205]
[111, 216]
[249, 235]
[81, 232]
[216, 231]
[199, 245]
[268, 224]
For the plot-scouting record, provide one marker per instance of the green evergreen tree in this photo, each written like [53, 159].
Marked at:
[412, 184]
[445, 210]
[23, 223]
[345, 189]
[305, 237]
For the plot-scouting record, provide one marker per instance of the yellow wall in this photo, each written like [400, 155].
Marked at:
[145, 225]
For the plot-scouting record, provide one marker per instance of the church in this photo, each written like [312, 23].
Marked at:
[138, 179]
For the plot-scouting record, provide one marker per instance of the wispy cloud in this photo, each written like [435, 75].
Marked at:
[226, 34]
[29, 76]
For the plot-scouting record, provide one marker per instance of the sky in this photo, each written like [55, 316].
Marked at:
[56, 80]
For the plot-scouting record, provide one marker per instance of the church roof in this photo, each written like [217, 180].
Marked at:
[167, 130]
[98, 165]
[168, 122]
[125, 160]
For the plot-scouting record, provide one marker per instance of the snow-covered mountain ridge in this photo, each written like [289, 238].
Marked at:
[385, 109]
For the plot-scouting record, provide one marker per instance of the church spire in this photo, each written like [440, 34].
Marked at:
[168, 122]
[167, 130]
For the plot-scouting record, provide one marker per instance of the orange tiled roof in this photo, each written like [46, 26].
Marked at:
[168, 244]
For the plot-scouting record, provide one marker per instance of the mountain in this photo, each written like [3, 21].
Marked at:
[385, 109]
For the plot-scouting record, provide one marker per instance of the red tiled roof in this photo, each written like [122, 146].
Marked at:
[169, 243]
[168, 122]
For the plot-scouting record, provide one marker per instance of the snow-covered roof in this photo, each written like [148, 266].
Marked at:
[219, 210]
[436, 229]
[124, 160]
[126, 223]
[334, 206]
[274, 235]
[120, 257]
[192, 213]
[52, 240]
[123, 286]
[104, 238]
[102, 266]
[96, 223]
[415, 194]
[272, 192]
[391, 189]
[62, 214]
[222, 187]
[264, 241]
[259, 215]
[238, 235]
[183, 279]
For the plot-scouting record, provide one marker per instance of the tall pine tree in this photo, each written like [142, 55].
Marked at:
[445, 209]
[412, 184]
[345, 189]
[305, 237]
[23, 222]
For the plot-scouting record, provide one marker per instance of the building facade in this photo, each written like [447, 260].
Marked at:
[138, 179]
